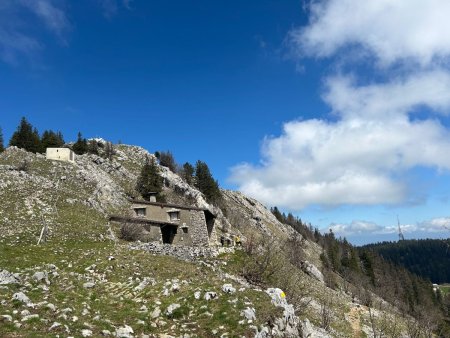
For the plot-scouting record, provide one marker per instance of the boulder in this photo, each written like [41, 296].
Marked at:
[312, 270]
[41, 276]
[21, 297]
[7, 277]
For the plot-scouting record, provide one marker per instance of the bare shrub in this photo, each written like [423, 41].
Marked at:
[263, 261]
[133, 232]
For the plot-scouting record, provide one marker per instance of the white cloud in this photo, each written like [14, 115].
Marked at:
[18, 37]
[364, 154]
[54, 18]
[390, 30]
[435, 225]
[360, 158]
[356, 228]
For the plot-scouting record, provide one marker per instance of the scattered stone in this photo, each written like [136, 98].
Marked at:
[124, 332]
[171, 308]
[197, 294]
[21, 297]
[249, 313]
[88, 285]
[40, 276]
[228, 288]
[51, 307]
[54, 325]
[27, 318]
[156, 313]
[175, 287]
[106, 333]
[7, 277]
[210, 295]
[6, 318]
[24, 313]
[86, 333]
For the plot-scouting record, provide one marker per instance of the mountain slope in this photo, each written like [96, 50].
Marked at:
[86, 281]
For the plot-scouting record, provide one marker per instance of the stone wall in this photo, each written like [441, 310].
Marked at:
[180, 252]
[197, 229]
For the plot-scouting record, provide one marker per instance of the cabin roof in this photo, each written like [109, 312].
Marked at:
[139, 220]
[177, 206]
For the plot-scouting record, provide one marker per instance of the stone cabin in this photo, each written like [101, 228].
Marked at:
[174, 224]
[60, 154]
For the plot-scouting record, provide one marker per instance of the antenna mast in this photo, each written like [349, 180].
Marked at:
[400, 234]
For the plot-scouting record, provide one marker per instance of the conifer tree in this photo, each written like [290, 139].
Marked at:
[81, 146]
[26, 137]
[93, 147]
[2, 147]
[150, 181]
[166, 159]
[50, 139]
[188, 173]
[206, 183]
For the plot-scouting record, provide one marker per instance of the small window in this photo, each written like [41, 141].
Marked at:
[140, 211]
[174, 215]
[185, 230]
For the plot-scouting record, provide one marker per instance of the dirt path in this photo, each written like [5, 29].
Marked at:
[354, 319]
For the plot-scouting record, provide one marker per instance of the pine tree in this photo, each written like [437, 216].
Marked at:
[166, 159]
[188, 173]
[50, 139]
[26, 137]
[206, 183]
[150, 181]
[2, 147]
[277, 214]
[93, 147]
[81, 146]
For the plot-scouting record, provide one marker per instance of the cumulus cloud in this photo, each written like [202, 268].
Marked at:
[378, 131]
[360, 158]
[435, 225]
[390, 31]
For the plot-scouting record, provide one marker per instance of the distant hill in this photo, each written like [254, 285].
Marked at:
[428, 258]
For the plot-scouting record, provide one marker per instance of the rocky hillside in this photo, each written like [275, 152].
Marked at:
[84, 281]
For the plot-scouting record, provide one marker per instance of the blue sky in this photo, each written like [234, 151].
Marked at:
[334, 110]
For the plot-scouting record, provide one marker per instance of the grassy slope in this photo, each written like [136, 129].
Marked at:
[77, 240]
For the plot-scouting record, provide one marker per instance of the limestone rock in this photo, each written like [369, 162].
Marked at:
[312, 270]
[171, 308]
[41, 276]
[249, 313]
[228, 288]
[125, 332]
[88, 285]
[86, 333]
[7, 277]
[210, 295]
[29, 317]
[21, 297]
[309, 331]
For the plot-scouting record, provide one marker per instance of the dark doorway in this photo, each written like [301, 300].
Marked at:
[168, 233]
[209, 222]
